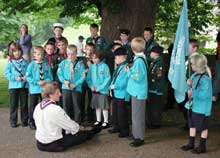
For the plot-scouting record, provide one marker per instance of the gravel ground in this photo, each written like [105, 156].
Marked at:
[160, 143]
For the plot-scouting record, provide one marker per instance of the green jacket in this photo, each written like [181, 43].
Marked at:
[156, 77]
[149, 45]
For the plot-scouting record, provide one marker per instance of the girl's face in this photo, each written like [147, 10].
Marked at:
[71, 55]
[119, 59]
[62, 46]
[58, 32]
[23, 29]
[17, 54]
[95, 59]
[89, 51]
[194, 68]
[38, 56]
[49, 49]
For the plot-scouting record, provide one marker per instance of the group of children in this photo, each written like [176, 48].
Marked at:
[128, 73]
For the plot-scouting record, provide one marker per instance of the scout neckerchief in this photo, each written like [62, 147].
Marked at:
[197, 84]
[72, 68]
[153, 65]
[41, 71]
[63, 53]
[18, 69]
[117, 71]
[45, 103]
[50, 58]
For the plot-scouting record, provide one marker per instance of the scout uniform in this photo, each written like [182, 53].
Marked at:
[36, 72]
[74, 73]
[127, 46]
[18, 90]
[57, 59]
[137, 87]
[120, 97]
[149, 45]
[156, 81]
[99, 77]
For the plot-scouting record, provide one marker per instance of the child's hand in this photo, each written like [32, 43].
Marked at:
[24, 79]
[18, 79]
[41, 82]
[67, 83]
[72, 85]
[189, 82]
[189, 92]
[127, 68]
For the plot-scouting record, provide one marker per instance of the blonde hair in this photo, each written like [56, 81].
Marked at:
[72, 48]
[138, 44]
[39, 49]
[200, 61]
[49, 88]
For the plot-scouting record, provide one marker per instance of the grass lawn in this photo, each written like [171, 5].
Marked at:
[3, 85]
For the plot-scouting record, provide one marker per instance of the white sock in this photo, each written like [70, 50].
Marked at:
[105, 115]
[98, 115]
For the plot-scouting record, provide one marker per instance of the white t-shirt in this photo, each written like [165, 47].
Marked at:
[79, 46]
[50, 121]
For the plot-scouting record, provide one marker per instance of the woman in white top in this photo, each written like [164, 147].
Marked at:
[55, 130]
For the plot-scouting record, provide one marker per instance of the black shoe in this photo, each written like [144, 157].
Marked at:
[24, 124]
[113, 130]
[187, 147]
[14, 125]
[105, 125]
[97, 124]
[32, 126]
[137, 143]
[122, 135]
[198, 150]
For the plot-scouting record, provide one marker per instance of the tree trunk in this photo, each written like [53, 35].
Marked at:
[134, 15]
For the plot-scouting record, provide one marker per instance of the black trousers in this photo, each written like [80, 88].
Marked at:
[86, 110]
[16, 96]
[154, 110]
[34, 100]
[67, 141]
[120, 116]
[71, 104]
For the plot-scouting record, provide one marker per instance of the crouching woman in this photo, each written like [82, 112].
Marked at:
[55, 130]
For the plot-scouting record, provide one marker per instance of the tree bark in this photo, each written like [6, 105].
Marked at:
[134, 15]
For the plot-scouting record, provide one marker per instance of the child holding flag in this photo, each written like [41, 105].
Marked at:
[199, 104]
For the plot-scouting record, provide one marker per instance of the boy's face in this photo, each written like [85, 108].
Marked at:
[124, 37]
[62, 46]
[38, 56]
[58, 32]
[95, 59]
[193, 67]
[49, 49]
[119, 59]
[154, 55]
[147, 35]
[89, 51]
[71, 55]
[193, 48]
[17, 54]
[94, 31]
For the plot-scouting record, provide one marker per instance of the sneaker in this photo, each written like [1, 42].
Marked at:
[24, 124]
[14, 125]
[32, 126]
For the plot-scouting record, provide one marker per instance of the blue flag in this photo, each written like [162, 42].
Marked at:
[177, 70]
